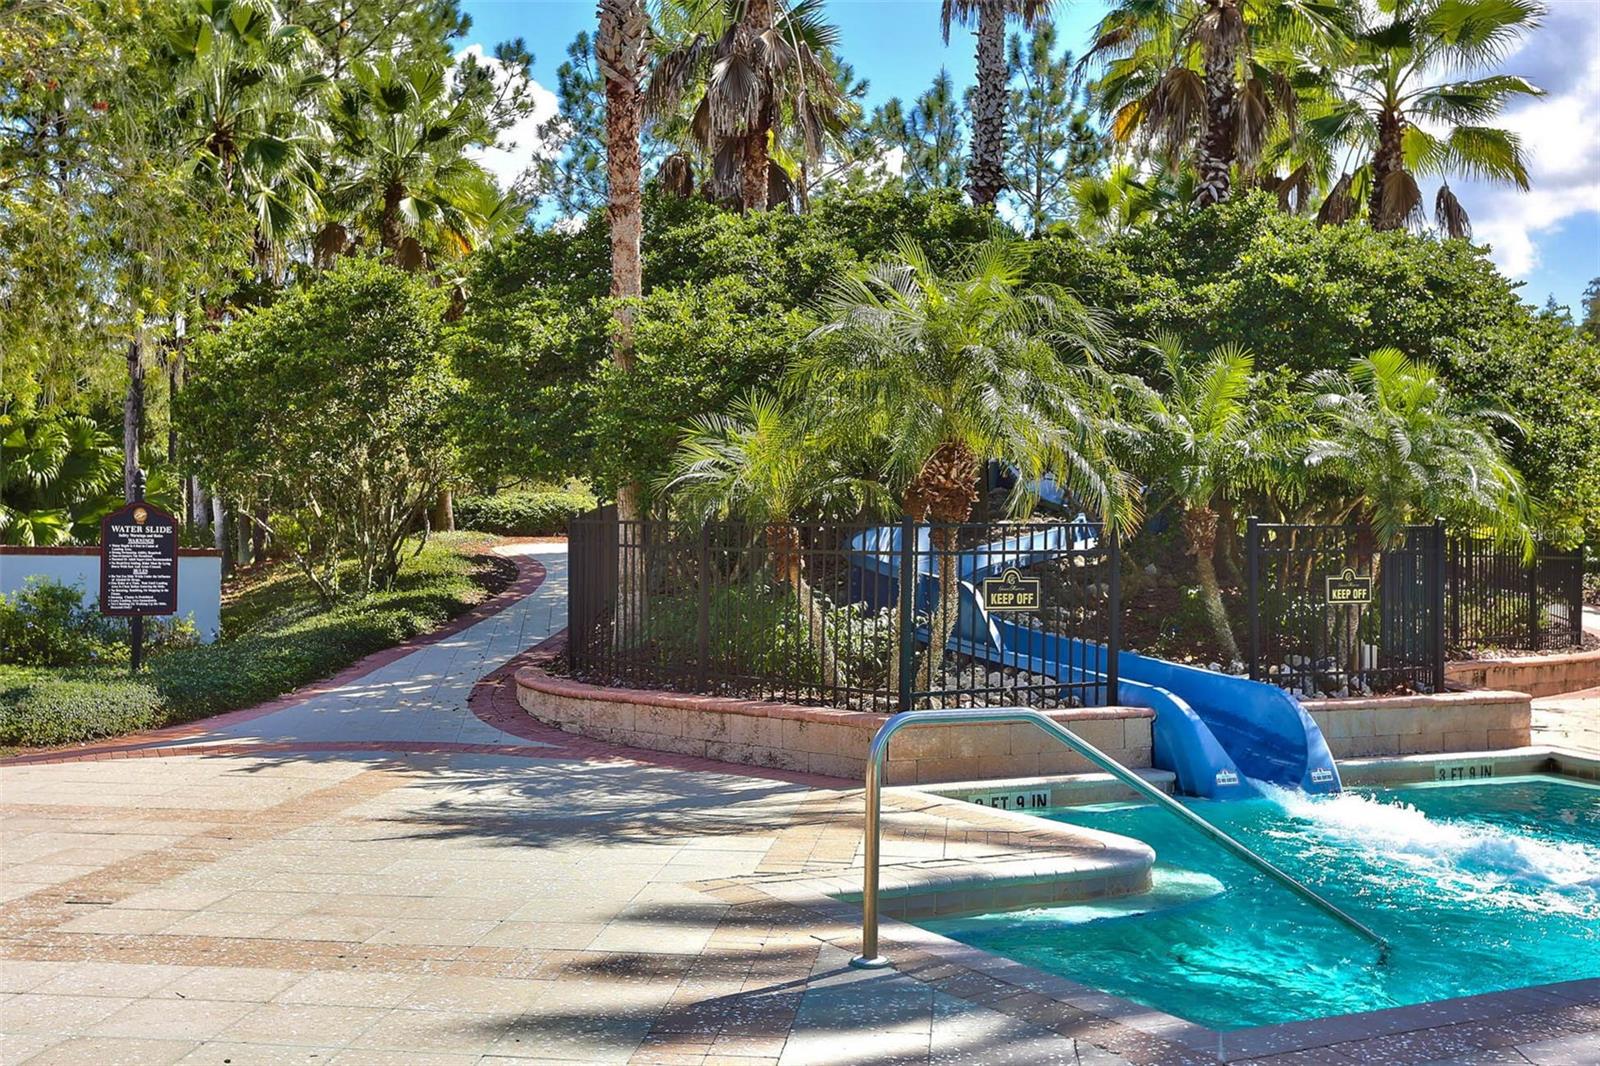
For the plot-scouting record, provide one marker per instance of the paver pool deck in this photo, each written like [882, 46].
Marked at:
[401, 868]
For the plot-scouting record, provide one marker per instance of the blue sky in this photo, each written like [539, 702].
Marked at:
[1548, 238]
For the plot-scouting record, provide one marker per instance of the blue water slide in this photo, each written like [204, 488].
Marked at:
[1211, 730]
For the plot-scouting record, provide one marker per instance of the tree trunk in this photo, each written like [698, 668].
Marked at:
[948, 484]
[443, 518]
[783, 544]
[241, 531]
[987, 175]
[1200, 527]
[759, 17]
[1388, 160]
[1227, 553]
[1217, 145]
[132, 417]
[258, 535]
[199, 506]
[219, 525]
[390, 230]
[619, 52]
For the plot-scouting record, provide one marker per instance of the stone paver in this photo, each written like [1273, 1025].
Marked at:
[328, 888]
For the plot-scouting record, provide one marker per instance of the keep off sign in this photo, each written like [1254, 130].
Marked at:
[1349, 590]
[138, 562]
[1011, 592]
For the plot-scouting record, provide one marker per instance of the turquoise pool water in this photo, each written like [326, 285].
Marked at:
[1479, 887]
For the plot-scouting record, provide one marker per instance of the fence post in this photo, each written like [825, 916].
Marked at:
[1252, 580]
[908, 610]
[702, 621]
[1436, 596]
[1455, 558]
[1533, 615]
[1114, 624]
[1575, 599]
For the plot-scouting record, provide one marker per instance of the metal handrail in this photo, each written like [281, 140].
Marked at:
[869, 957]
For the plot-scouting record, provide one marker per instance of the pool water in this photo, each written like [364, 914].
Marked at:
[1479, 887]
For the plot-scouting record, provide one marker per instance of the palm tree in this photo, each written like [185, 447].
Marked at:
[1409, 123]
[406, 173]
[758, 64]
[246, 92]
[945, 369]
[1205, 444]
[1213, 78]
[1116, 201]
[765, 464]
[619, 48]
[1408, 450]
[986, 174]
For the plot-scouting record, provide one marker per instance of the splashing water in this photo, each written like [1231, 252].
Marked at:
[1479, 887]
[1472, 858]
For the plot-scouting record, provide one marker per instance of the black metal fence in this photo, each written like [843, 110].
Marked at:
[844, 614]
[1331, 615]
[1499, 598]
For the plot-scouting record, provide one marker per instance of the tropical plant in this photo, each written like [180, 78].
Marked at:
[1209, 77]
[1204, 444]
[986, 174]
[58, 477]
[942, 370]
[763, 463]
[1406, 450]
[246, 98]
[1409, 123]
[1108, 204]
[406, 175]
[757, 64]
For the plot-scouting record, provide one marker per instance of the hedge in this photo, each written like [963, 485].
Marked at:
[539, 513]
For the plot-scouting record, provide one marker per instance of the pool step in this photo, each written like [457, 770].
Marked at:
[1170, 888]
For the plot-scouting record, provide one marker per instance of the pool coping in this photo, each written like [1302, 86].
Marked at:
[1017, 988]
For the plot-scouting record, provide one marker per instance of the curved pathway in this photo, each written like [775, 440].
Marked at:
[414, 697]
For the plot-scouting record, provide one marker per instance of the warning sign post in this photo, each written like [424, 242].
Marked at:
[138, 565]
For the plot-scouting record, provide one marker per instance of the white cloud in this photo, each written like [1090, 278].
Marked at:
[520, 144]
[1559, 134]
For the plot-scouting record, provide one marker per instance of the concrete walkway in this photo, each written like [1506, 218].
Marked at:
[401, 872]
[382, 905]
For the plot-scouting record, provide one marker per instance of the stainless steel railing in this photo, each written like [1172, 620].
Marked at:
[869, 957]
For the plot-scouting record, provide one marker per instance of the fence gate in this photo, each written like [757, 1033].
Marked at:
[1331, 614]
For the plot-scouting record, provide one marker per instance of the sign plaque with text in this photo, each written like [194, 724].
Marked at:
[1349, 589]
[1011, 592]
[138, 562]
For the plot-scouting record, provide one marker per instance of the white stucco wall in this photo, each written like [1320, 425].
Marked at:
[199, 581]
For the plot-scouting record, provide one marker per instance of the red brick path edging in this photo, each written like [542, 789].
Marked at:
[530, 575]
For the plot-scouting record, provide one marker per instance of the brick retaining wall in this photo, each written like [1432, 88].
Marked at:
[1537, 675]
[824, 740]
[1417, 725]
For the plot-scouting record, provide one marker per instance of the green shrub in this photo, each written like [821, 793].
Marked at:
[334, 402]
[539, 513]
[47, 707]
[45, 623]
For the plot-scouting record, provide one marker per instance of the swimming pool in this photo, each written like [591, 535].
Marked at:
[1479, 887]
